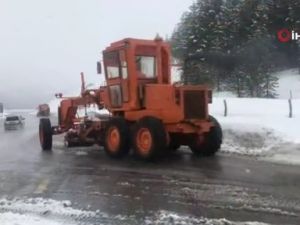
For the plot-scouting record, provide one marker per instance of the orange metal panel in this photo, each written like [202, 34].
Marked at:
[162, 97]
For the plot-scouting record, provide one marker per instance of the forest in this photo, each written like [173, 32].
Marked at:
[238, 45]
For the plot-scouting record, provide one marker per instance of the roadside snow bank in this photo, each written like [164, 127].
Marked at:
[286, 153]
[260, 127]
[253, 115]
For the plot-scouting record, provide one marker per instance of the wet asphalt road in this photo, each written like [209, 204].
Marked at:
[225, 186]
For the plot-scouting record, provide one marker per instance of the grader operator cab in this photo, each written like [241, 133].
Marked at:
[147, 113]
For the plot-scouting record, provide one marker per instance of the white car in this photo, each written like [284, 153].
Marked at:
[13, 122]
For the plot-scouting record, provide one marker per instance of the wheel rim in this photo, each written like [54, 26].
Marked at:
[113, 139]
[144, 141]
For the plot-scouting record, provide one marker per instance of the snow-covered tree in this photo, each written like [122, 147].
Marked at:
[236, 43]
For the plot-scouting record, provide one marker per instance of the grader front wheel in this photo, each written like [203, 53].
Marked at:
[210, 143]
[45, 134]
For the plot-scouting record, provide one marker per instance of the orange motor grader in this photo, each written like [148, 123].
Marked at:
[147, 113]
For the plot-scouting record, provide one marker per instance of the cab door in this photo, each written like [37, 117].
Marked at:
[116, 71]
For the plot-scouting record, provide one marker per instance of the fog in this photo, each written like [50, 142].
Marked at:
[44, 45]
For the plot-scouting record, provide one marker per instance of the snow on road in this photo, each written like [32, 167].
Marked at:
[166, 217]
[40, 211]
[10, 218]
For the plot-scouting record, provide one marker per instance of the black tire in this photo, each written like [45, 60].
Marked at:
[45, 134]
[212, 141]
[156, 131]
[119, 127]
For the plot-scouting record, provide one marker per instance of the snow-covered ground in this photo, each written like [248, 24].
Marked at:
[38, 211]
[259, 127]
[262, 127]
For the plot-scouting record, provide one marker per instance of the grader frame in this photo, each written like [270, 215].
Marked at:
[147, 113]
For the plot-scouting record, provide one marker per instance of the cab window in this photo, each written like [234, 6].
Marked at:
[145, 66]
[112, 63]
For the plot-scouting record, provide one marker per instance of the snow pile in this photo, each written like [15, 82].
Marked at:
[166, 217]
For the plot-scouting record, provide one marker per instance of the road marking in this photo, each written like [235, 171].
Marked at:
[42, 187]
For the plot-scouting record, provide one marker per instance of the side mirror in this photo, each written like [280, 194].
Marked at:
[99, 68]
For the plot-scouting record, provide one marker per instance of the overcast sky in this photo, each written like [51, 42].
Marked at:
[45, 44]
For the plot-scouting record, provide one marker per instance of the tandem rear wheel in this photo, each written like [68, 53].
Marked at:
[146, 137]
[210, 143]
[117, 138]
[149, 138]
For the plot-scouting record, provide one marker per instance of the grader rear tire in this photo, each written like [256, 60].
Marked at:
[45, 134]
[149, 138]
[116, 138]
[211, 143]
